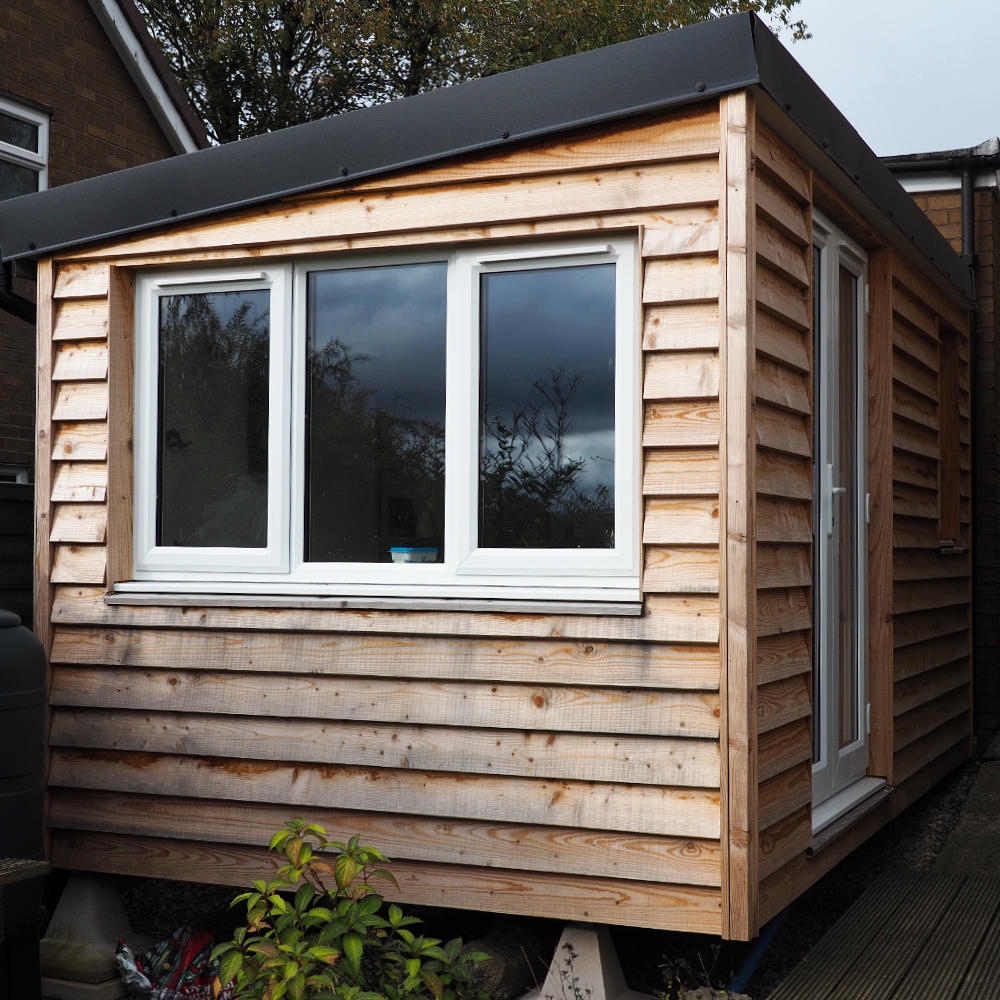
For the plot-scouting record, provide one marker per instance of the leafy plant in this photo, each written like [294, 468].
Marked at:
[317, 932]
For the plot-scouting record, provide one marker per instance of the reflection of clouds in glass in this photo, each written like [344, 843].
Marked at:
[538, 322]
[392, 317]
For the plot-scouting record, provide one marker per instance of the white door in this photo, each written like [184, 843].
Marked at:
[840, 688]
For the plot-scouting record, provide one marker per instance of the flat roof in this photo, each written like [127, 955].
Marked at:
[648, 74]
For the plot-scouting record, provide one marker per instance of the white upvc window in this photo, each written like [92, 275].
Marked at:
[447, 424]
[24, 149]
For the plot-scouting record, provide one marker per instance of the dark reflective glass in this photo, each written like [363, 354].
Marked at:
[547, 408]
[213, 419]
[18, 132]
[375, 414]
[16, 180]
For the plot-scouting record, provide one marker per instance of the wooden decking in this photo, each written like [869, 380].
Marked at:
[911, 936]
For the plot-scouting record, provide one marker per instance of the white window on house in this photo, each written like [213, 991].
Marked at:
[441, 424]
[24, 150]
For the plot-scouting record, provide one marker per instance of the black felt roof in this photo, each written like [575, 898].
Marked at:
[660, 71]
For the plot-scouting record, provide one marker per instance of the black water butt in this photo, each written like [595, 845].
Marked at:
[22, 739]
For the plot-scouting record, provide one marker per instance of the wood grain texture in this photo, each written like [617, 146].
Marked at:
[681, 472]
[80, 362]
[686, 279]
[680, 327]
[79, 522]
[623, 902]
[677, 812]
[81, 401]
[78, 564]
[80, 482]
[80, 280]
[692, 423]
[676, 570]
[680, 521]
[498, 706]
[497, 845]
[680, 375]
[503, 658]
[83, 442]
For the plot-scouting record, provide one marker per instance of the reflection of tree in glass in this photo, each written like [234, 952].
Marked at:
[376, 474]
[213, 419]
[530, 490]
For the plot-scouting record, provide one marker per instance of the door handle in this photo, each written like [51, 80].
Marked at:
[831, 492]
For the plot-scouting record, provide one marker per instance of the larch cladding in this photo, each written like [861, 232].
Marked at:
[542, 764]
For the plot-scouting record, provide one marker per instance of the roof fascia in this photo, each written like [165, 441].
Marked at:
[131, 41]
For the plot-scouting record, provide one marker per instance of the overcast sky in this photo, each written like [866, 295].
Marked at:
[910, 75]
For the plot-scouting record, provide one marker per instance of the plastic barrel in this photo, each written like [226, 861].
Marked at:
[22, 721]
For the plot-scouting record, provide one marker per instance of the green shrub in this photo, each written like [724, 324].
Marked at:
[317, 932]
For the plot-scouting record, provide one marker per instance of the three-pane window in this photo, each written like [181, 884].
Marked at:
[457, 425]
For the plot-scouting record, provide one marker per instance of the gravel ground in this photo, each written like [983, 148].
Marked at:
[649, 958]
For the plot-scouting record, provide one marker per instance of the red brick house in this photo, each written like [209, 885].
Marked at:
[84, 90]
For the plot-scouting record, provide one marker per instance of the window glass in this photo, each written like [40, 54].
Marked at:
[213, 419]
[375, 355]
[18, 132]
[547, 408]
[16, 180]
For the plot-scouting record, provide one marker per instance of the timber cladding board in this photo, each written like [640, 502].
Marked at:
[660, 810]
[614, 901]
[497, 845]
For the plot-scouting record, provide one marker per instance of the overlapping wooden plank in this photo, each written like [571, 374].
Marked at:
[639, 904]
[691, 423]
[914, 407]
[666, 619]
[785, 300]
[682, 279]
[681, 375]
[78, 362]
[682, 520]
[918, 628]
[679, 472]
[684, 233]
[914, 439]
[629, 808]
[499, 706]
[780, 611]
[781, 208]
[923, 753]
[781, 254]
[783, 842]
[84, 442]
[914, 532]
[928, 654]
[915, 564]
[916, 313]
[915, 470]
[928, 595]
[914, 376]
[783, 702]
[920, 345]
[680, 570]
[80, 481]
[782, 342]
[784, 794]
[81, 401]
[774, 158]
[79, 522]
[930, 685]
[781, 749]
[782, 520]
[642, 760]
[780, 475]
[497, 845]
[918, 722]
[781, 386]
[681, 327]
[502, 657]
[914, 501]
[781, 656]
[782, 431]
[783, 566]
[78, 564]
[79, 281]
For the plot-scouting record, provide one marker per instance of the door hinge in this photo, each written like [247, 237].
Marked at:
[868, 508]
[868, 718]
[868, 299]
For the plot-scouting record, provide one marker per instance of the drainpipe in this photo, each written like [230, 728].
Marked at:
[10, 301]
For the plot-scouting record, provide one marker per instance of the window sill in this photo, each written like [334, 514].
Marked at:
[154, 598]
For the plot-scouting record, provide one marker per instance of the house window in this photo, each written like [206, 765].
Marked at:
[24, 150]
[450, 424]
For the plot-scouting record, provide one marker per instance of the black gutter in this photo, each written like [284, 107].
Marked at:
[10, 301]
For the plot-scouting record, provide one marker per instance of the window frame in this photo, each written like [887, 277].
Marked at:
[466, 570]
[18, 155]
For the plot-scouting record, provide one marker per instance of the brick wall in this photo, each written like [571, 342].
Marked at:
[55, 55]
[945, 210]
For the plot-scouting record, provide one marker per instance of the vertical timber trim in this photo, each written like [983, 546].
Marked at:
[739, 723]
[121, 312]
[45, 311]
[43, 455]
[880, 580]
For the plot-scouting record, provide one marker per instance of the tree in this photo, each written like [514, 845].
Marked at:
[253, 66]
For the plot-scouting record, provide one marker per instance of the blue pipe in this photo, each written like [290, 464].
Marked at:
[760, 946]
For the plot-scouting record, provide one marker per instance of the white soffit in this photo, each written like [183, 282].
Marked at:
[943, 180]
[143, 73]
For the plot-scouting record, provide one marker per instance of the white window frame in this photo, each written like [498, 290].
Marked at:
[467, 570]
[18, 155]
[151, 560]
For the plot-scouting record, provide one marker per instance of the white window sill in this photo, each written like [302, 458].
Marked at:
[845, 808]
[130, 595]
